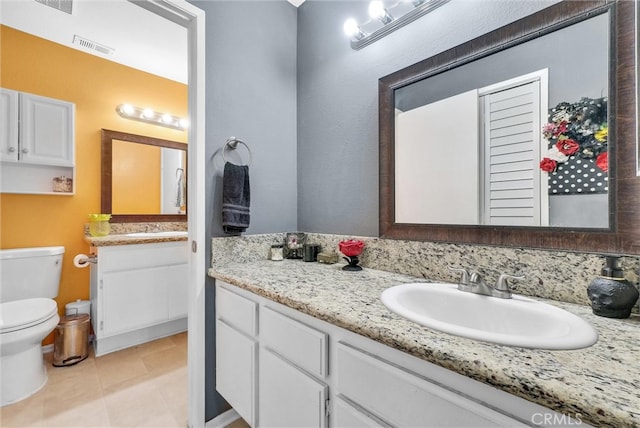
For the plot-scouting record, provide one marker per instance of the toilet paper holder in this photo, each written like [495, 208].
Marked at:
[82, 260]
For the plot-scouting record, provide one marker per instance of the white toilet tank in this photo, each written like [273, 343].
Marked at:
[30, 272]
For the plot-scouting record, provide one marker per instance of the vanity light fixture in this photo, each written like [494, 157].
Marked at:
[406, 11]
[148, 115]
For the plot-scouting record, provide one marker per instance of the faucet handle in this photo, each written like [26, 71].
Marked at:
[502, 283]
[464, 279]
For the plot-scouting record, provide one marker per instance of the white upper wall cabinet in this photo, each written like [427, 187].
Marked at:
[38, 144]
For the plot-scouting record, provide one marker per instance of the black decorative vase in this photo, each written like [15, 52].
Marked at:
[611, 295]
[353, 263]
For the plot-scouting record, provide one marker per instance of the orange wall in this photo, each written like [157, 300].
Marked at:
[96, 86]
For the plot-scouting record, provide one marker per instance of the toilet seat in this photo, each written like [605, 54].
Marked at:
[21, 314]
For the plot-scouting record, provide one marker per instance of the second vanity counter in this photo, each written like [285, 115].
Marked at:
[600, 383]
[124, 239]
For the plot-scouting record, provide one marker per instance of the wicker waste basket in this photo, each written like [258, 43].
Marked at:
[71, 340]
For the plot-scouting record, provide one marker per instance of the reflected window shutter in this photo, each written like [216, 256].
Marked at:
[511, 156]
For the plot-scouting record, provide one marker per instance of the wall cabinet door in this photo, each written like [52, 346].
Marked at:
[46, 131]
[9, 129]
[288, 397]
[236, 359]
[37, 143]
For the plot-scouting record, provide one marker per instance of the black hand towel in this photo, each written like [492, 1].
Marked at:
[235, 198]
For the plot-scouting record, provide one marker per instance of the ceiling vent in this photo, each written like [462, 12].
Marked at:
[62, 5]
[92, 46]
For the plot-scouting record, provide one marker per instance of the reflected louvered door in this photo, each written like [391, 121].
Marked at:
[513, 193]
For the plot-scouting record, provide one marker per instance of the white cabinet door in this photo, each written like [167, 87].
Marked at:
[236, 370]
[9, 127]
[46, 131]
[287, 396]
[134, 299]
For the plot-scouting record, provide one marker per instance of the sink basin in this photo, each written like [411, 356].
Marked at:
[167, 233]
[518, 321]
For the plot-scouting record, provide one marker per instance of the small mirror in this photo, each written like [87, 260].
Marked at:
[143, 178]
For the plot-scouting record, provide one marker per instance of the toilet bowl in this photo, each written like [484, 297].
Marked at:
[23, 326]
[29, 280]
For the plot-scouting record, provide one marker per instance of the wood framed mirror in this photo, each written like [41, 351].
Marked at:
[618, 228]
[143, 179]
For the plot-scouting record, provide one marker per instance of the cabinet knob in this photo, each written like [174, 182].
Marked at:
[25, 150]
[12, 149]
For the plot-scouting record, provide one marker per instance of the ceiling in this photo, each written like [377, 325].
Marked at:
[158, 47]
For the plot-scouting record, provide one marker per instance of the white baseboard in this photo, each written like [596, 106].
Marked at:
[223, 419]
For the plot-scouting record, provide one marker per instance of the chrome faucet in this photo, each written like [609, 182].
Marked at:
[473, 283]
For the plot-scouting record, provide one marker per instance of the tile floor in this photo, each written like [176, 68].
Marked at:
[142, 386]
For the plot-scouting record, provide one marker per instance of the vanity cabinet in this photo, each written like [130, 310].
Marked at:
[36, 143]
[138, 293]
[314, 374]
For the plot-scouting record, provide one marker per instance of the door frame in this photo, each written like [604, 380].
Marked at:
[193, 19]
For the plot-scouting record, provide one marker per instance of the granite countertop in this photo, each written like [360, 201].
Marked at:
[600, 383]
[110, 240]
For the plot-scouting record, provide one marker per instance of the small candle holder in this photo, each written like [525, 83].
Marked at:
[62, 184]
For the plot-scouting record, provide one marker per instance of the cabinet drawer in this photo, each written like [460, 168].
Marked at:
[347, 416]
[298, 343]
[237, 311]
[402, 398]
[127, 257]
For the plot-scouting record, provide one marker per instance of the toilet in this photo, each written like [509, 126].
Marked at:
[29, 280]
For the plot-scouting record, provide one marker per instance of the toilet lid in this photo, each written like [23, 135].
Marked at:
[20, 314]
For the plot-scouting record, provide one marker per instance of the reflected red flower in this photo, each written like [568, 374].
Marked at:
[602, 161]
[561, 128]
[568, 146]
[548, 165]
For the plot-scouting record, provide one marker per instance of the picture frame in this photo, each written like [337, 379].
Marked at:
[294, 245]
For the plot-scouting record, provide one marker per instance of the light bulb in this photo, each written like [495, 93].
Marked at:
[351, 27]
[167, 118]
[184, 123]
[377, 11]
[147, 113]
[127, 109]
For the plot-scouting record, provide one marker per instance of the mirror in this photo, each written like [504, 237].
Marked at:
[467, 136]
[143, 178]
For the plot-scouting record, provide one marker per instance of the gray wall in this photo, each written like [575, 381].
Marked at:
[338, 100]
[250, 94]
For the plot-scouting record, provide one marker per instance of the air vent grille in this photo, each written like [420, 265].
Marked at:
[93, 46]
[61, 5]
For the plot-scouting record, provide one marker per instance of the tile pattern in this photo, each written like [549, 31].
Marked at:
[145, 385]
[601, 382]
[555, 275]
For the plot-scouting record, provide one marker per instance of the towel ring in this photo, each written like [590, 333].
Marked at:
[232, 143]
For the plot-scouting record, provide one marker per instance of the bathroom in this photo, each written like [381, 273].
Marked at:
[320, 162]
